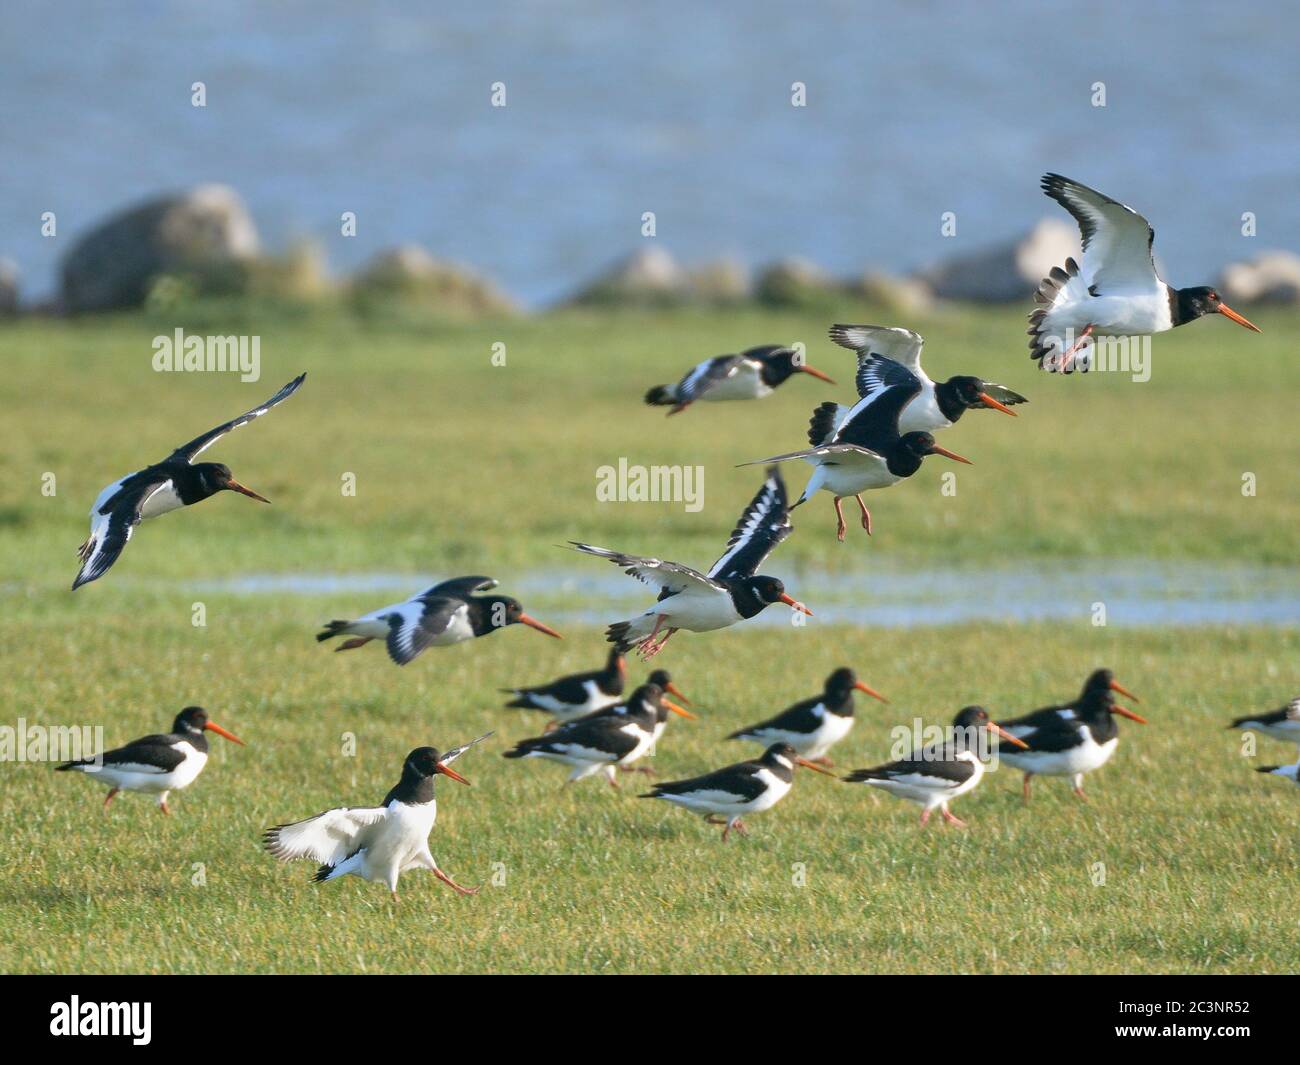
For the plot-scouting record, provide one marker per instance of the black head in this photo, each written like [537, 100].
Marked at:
[841, 682]
[779, 364]
[968, 390]
[781, 754]
[662, 678]
[497, 611]
[650, 699]
[216, 477]
[1193, 303]
[1098, 696]
[769, 590]
[973, 728]
[425, 762]
[194, 721]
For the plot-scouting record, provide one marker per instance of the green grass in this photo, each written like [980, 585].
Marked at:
[1197, 848]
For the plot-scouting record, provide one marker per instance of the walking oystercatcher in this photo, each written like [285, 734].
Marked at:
[377, 842]
[445, 614]
[177, 481]
[812, 727]
[738, 790]
[157, 765]
[937, 774]
[576, 694]
[938, 406]
[607, 739]
[753, 374]
[862, 449]
[729, 593]
[1074, 738]
[1117, 292]
[1282, 724]
[1290, 772]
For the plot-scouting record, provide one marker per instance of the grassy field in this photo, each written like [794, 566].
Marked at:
[463, 466]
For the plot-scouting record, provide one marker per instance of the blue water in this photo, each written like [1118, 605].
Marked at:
[913, 109]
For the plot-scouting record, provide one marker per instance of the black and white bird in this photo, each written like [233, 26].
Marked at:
[725, 796]
[1074, 738]
[861, 448]
[813, 726]
[177, 481]
[1281, 724]
[1117, 291]
[935, 775]
[155, 765]
[447, 613]
[938, 406]
[577, 694]
[377, 842]
[753, 374]
[1290, 772]
[607, 740]
[728, 593]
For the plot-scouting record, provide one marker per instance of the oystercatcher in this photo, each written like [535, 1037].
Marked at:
[377, 842]
[812, 727]
[729, 593]
[1283, 724]
[577, 694]
[862, 449]
[176, 481]
[1117, 292]
[752, 374]
[445, 614]
[726, 795]
[1291, 772]
[1074, 738]
[607, 739]
[662, 679]
[937, 774]
[158, 765]
[938, 406]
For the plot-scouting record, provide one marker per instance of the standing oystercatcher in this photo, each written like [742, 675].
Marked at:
[577, 694]
[729, 593]
[937, 774]
[726, 795]
[812, 727]
[445, 614]
[377, 842]
[1290, 772]
[862, 449]
[158, 765]
[1282, 724]
[938, 406]
[606, 740]
[752, 374]
[176, 481]
[1074, 738]
[1118, 292]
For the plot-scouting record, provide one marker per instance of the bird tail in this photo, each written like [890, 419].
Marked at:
[78, 764]
[332, 629]
[822, 424]
[625, 634]
[661, 396]
[1268, 768]
[863, 776]
[522, 700]
[1042, 345]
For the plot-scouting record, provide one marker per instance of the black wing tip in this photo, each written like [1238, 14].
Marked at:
[322, 873]
[1267, 768]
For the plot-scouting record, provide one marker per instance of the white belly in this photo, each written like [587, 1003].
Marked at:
[1081, 758]
[403, 837]
[745, 383]
[696, 612]
[923, 415]
[847, 475]
[164, 499]
[129, 779]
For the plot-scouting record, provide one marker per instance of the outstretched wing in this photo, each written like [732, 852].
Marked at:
[189, 452]
[669, 577]
[112, 524]
[1003, 394]
[763, 525]
[707, 375]
[846, 451]
[450, 756]
[415, 625]
[1116, 239]
[459, 587]
[891, 342]
[327, 838]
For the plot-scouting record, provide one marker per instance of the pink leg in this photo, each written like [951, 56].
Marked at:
[952, 820]
[109, 797]
[451, 884]
[866, 515]
[925, 817]
[1025, 789]
[356, 641]
[840, 527]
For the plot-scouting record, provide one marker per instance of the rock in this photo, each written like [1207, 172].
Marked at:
[1007, 272]
[900, 295]
[202, 232]
[649, 276]
[1274, 277]
[721, 281]
[8, 287]
[796, 282]
[409, 272]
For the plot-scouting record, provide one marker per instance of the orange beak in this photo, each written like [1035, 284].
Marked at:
[679, 711]
[989, 401]
[1228, 312]
[533, 623]
[813, 766]
[952, 454]
[795, 605]
[235, 486]
[1116, 686]
[1000, 731]
[672, 688]
[211, 727]
[622, 666]
[446, 770]
[817, 374]
[870, 691]
[1124, 711]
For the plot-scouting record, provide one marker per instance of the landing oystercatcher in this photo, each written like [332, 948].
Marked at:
[377, 842]
[1117, 292]
[729, 593]
[938, 406]
[753, 374]
[577, 694]
[445, 614]
[157, 765]
[1290, 772]
[1282, 724]
[177, 481]
[738, 790]
[1074, 738]
[605, 740]
[862, 449]
[937, 774]
[812, 727]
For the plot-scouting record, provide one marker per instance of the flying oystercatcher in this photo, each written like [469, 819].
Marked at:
[1282, 724]
[729, 593]
[726, 795]
[812, 727]
[1290, 772]
[577, 694]
[445, 614]
[377, 842]
[605, 740]
[157, 765]
[938, 406]
[863, 449]
[937, 774]
[1074, 738]
[176, 481]
[1117, 293]
[752, 374]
